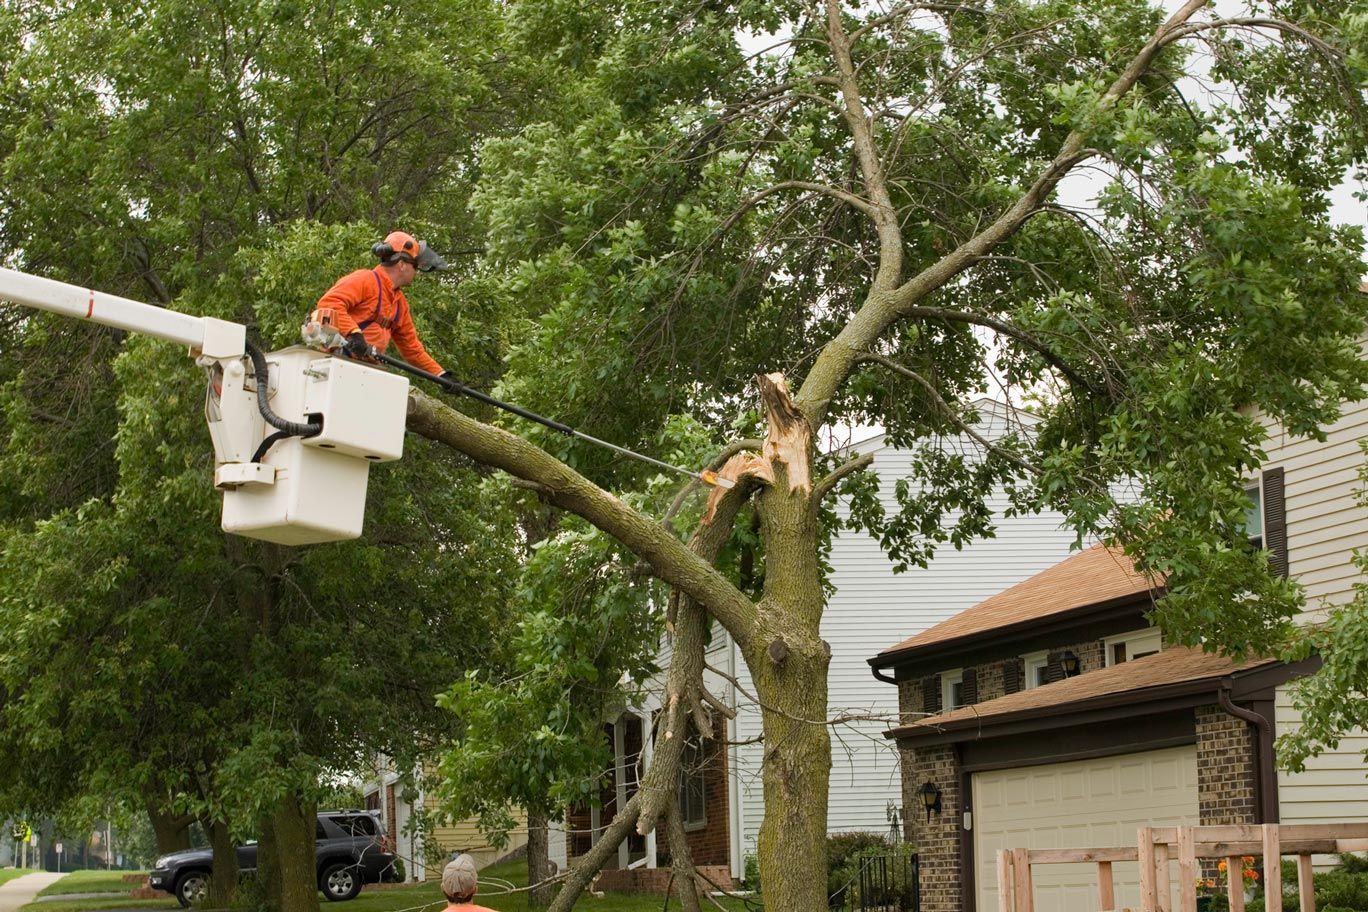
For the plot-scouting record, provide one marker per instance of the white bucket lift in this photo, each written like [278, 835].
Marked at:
[301, 490]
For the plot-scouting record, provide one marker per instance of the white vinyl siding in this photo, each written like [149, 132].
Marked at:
[1080, 804]
[1325, 521]
[1334, 786]
[872, 609]
[1325, 525]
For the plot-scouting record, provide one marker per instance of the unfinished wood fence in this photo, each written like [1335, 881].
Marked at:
[1157, 847]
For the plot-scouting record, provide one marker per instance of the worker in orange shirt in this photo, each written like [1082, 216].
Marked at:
[368, 308]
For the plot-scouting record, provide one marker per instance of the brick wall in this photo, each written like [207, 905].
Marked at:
[657, 880]
[710, 844]
[937, 838]
[990, 684]
[1091, 655]
[1225, 768]
[909, 701]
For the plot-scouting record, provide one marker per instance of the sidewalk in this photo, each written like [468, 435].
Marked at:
[22, 890]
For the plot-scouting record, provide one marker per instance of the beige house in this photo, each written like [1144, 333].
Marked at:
[421, 848]
[1051, 715]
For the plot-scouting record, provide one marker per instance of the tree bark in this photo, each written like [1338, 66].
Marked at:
[681, 860]
[538, 862]
[295, 824]
[172, 831]
[224, 883]
[268, 865]
[788, 662]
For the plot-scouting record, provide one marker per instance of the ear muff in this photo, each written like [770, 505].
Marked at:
[382, 251]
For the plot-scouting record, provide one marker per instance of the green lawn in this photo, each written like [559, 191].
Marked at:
[11, 873]
[91, 905]
[93, 882]
[417, 898]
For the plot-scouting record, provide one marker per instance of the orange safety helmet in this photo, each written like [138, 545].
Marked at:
[400, 245]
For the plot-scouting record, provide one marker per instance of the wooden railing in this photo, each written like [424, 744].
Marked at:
[1157, 847]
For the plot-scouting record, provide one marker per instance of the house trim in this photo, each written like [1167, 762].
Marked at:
[1007, 639]
[1123, 736]
[1106, 707]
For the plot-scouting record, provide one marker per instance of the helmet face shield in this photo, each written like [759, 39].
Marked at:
[428, 260]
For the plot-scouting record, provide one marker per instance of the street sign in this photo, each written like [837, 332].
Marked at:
[59, 848]
[33, 839]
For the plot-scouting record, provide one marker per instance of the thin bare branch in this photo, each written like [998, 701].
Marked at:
[945, 409]
[825, 486]
[907, 10]
[889, 271]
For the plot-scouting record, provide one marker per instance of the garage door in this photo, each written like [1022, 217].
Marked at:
[1083, 804]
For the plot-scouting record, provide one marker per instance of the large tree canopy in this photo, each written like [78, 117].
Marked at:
[874, 205]
[231, 160]
[688, 243]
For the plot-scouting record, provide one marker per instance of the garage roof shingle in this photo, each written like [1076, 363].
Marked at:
[1173, 666]
[1092, 577]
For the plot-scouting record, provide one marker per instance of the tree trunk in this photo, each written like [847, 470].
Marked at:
[224, 883]
[294, 823]
[797, 770]
[788, 661]
[172, 831]
[268, 865]
[538, 862]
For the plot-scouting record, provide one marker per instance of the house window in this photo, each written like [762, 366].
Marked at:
[1253, 521]
[952, 689]
[693, 786]
[1128, 647]
[1037, 665]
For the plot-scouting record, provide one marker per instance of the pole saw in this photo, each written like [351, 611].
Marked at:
[707, 476]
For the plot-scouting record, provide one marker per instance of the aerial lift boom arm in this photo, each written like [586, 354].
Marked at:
[204, 336]
[307, 482]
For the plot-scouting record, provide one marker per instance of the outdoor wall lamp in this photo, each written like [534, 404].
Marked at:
[930, 797]
[1068, 663]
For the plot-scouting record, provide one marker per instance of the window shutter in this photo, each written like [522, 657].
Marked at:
[1011, 676]
[1275, 520]
[931, 695]
[1054, 667]
[969, 686]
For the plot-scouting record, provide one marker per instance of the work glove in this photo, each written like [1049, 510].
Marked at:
[357, 346]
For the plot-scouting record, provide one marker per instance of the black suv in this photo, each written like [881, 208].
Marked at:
[350, 850]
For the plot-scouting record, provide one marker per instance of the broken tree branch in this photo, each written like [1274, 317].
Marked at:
[583, 871]
[669, 558]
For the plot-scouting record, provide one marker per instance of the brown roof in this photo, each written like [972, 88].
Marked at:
[1137, 679]
[1096, 576]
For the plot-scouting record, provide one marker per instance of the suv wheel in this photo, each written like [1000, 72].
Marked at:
[340, 880]
[192, 887]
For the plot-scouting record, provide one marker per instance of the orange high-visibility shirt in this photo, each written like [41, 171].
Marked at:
[366, 300]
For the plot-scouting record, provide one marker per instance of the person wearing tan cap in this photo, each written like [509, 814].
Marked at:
[460, 884]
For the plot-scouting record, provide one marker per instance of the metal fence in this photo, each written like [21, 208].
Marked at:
[889, 883]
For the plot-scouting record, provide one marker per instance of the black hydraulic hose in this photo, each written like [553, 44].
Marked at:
[268, 443]
[263, 382]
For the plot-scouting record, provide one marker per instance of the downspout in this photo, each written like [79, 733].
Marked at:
[1265, 776]
[880, 675]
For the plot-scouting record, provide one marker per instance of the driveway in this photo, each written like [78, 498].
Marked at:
[21, 890]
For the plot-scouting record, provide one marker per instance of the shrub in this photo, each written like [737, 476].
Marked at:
[845, 851]
[1344, 889]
